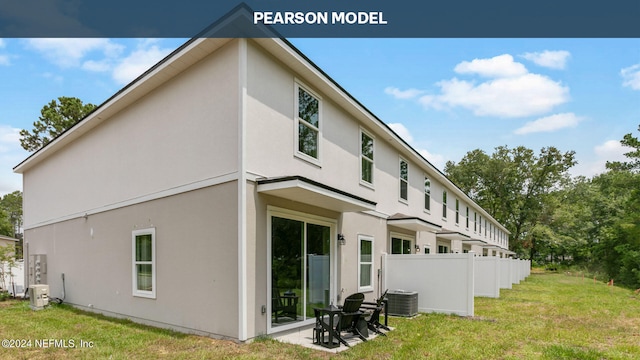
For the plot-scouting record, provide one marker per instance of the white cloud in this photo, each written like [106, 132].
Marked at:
[4, 60]
[550, 59]
[526, 95]
[550, 123]
[138, 62]
[2, 43]
[611, 150]
[68, 53]
[435, 159]
[9, 137]
[631, 76]
[402, 94]
[496, 67]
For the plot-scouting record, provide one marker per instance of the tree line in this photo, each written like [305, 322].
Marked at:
[553, 218]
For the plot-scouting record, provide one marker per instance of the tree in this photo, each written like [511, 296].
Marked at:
[514, 185]
[11, 218]
[55, 118]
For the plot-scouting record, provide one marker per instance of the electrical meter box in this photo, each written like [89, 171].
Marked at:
[38, 296]
[37, 269]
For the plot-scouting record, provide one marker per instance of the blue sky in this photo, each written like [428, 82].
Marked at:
[444, 96]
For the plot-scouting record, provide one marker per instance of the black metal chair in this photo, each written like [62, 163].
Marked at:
[374, 309]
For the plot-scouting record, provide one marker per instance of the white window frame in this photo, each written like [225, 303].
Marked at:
[457, 212]
[143, 293]
[400, 180]
[467, 218]
[296, 129]
[444, 205]
[363, 157]
[361, 238]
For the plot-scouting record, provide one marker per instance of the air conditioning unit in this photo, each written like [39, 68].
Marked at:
[402, 303]
[38, 296]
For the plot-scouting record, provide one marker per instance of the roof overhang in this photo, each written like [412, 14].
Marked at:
[7, 238]
[452, 235]
[303, 190]
[474, 242]
[412, 223]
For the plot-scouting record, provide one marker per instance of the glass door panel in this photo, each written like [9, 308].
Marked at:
[318, 267]
[287, 241]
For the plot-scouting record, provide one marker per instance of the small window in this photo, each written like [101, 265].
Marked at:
[442, 249]
[366, 158]
[427, 193]
[427, 250]
[404, 180]
[444, 204]
[144, 263]
[467, 217]
[366, 263]
[475, 221]
[400, 246]
[308, 121]
[457, 211]
[480, 225]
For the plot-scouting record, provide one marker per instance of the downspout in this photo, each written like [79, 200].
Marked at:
[242, 191]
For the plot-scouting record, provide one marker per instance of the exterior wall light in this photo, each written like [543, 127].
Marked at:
[341, 240]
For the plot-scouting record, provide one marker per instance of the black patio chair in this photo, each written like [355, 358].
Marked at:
[350, 318]
[374, 309]
[286, 305]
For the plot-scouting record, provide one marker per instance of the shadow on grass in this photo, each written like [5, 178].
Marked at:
[120, 321]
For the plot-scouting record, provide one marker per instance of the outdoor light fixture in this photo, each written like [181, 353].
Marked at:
[341, 239]
[417, 248]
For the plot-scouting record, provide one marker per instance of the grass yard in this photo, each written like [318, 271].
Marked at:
[548, 316]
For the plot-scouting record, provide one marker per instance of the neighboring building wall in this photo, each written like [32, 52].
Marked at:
[183, 132]
[196, 261]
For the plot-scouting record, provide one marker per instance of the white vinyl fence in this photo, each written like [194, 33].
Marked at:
[505, 273]
[487, 276]
[444, 282]
[14, 277]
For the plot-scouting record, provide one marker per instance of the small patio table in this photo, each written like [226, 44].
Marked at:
[330, 328]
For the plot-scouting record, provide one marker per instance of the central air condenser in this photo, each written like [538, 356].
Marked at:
[402, 303]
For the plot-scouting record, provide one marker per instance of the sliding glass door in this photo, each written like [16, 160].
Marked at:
[301, 268]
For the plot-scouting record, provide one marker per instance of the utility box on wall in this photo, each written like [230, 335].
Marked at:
[38, 296]
[37, 269]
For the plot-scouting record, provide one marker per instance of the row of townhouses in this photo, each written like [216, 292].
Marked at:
[233, 173]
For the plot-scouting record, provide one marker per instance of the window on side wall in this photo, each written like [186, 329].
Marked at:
[365, 269]
[404, 180]
[444, 204]
[427, 194]
[144, 262]
[467, 218]
[457, 211]
[308, 125]
[366, 158]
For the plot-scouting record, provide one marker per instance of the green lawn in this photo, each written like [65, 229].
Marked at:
[548, 316]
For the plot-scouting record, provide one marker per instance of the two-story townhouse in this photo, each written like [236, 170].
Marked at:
[229, 190]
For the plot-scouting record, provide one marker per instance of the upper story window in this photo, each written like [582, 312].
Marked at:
[457, 211]
[308, 124]
[427, 193]
[475, 221]
[467, 216]
[366, 158]
[404, 180]
[480, 224]
[444, 204]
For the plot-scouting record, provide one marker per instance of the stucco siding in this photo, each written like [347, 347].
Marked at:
[196, 260]
[180, 133]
